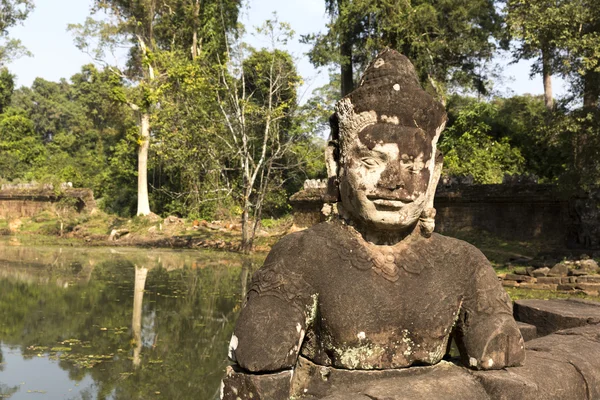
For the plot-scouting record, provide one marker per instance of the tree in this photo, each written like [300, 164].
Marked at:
[448, 42]
[12, 12]
[257, 101]
[150, 27]
[7, 86]
[470, 149]
[535, 25]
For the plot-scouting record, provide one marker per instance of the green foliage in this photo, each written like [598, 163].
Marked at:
[7, 86]
[12, 12]
[469, 149]
[448, 41]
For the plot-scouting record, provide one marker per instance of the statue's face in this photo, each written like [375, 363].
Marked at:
[384, 175]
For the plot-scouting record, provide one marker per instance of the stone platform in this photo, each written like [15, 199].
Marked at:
[562, 364]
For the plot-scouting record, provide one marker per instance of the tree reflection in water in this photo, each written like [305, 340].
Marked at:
[140, 323]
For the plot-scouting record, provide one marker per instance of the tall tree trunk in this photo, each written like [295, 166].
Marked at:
[346, 68]
[246, 246]
[547, 76]
[195, 34]
[591, 90]
[346, 53]
[143, 206]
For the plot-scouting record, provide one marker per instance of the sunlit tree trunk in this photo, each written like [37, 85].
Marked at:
[195, 45]
[547, 76]
[143, 206]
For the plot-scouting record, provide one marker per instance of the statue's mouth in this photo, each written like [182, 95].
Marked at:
[388, 203]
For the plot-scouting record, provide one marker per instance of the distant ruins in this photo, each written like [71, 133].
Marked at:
[26, 200]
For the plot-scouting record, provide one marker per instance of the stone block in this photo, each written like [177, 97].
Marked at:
[590, 266]
[594, 287]
[443, 381]
[540, 272]
[528, 331]
[510, 284]
[538, 286]
[549, 280]
[577, 272]
[239, 385]
[567, 286]
[519, 278]
[563, 365]
[560, 269]
[588, 279]
[553, 315]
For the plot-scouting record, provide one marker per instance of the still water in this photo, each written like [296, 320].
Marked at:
[101, 323]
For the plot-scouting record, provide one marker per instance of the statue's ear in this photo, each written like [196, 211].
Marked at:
[437, 173]
[332, 158]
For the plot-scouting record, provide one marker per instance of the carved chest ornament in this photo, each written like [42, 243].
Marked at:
[386, 261]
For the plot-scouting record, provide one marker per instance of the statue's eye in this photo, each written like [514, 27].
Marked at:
[370, 162]
[417, 165]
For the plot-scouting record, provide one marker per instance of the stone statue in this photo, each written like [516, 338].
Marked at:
[374, 288]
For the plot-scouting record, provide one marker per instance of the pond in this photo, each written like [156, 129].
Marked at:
[122, 323]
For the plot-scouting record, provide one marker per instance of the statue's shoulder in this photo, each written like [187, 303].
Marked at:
[459, 249]
[307, 240]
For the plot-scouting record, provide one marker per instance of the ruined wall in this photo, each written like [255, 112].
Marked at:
[17, 203]
[523, 211]
[516, 212]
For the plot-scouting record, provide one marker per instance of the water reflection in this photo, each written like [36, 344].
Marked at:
[116, 324]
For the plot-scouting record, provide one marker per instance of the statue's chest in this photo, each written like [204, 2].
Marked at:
[371, 318]
[366, 302]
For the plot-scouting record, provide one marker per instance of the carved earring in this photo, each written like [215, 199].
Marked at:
[427, 222]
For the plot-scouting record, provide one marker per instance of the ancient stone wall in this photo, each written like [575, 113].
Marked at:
[524, 211]
[516, 212]
[17, 203]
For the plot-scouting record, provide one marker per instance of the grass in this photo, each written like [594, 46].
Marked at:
[500, 251]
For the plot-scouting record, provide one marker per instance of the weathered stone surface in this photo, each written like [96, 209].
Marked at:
[589, 266]
[528, 331]
[549, 279]
[17, 203]
[238, 385]
[444, 381]
[563, 365]
[577, 272]
[540, 272]
[538, 286]
[520, 278]
[553, 315]
[589, 279]
[588, 286]
[567, 286]
[560, 269]
[522, 271]
[540, 378]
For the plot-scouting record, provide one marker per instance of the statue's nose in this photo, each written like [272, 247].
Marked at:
[392, 178]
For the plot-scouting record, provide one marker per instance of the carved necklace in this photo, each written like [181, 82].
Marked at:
[386, 261]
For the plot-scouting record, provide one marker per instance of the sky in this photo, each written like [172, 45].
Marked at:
[55, 56]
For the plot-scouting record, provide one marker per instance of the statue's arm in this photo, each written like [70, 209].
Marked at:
[272, 324]
[486, 332]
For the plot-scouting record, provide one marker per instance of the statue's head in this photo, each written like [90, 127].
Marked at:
[383, 148]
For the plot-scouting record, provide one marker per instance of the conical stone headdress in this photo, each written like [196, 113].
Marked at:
[389, 92]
